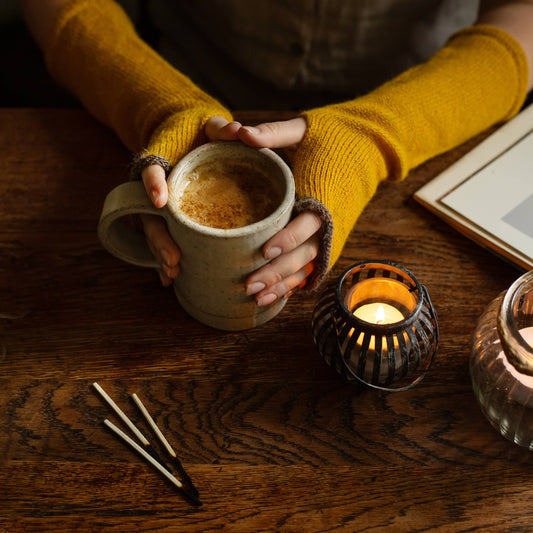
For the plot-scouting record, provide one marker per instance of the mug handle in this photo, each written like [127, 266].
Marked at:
[119, 238]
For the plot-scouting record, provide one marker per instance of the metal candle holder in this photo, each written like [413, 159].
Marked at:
[390, 352]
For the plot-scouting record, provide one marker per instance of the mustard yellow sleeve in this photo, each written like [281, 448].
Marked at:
[94, 51]
[477, 80]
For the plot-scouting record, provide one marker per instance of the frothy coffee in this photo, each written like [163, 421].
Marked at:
[228, 194]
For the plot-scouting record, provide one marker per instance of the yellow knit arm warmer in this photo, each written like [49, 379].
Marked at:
[477, 80]
[94, 51]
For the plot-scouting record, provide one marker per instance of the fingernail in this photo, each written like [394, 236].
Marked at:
[272, 253]
[252, 130]
[255, 287]
[267, 299]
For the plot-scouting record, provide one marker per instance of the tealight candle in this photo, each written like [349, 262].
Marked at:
[380, 300]
[378, 313]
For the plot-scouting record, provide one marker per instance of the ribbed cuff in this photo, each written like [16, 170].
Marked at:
[140, 162]
[324, 252]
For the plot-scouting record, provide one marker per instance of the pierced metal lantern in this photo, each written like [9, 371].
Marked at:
[377, 327]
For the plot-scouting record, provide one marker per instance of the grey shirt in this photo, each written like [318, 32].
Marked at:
[296, 54]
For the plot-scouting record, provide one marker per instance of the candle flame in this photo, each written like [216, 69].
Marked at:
[380, 315]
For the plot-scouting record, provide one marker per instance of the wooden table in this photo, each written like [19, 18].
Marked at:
[274, 440]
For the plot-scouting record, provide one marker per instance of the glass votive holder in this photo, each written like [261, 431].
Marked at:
[501, 362]
[376, 326]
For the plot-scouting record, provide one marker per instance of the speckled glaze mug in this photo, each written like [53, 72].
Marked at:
[214, 262]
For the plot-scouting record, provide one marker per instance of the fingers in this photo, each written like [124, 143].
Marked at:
[292, 251]
[284, 275]
[282, 134]
[159, 241]
[155, 183]
[165, 250]
[154, 177]
[293, 235]
[219, 129]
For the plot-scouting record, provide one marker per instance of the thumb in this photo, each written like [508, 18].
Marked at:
[155, 183]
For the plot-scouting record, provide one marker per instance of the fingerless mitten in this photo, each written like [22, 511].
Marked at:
[94, 51]
[477, 80]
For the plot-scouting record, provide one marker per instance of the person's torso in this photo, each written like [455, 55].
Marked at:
[297, 53]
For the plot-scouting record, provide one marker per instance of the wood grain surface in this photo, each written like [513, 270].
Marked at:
[272, 437]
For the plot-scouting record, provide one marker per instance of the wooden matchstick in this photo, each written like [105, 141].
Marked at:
[151, 460]
[146, 443]
[121, 414]
[165, 443]
[153, 425]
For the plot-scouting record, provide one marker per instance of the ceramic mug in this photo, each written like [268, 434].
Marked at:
[214, 262]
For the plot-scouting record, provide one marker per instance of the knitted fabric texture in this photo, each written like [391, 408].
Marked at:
[140, 162]
[321, 263]
[94, 51]
[477, 80]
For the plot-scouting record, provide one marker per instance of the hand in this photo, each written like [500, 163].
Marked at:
[165, 250]
[293, 249]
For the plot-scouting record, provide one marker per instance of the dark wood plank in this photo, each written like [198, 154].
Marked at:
[269, 499]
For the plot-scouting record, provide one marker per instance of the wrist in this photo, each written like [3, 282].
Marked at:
[181, 132]
[322, 261]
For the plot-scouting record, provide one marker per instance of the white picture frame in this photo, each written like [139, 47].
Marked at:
[488, 193]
